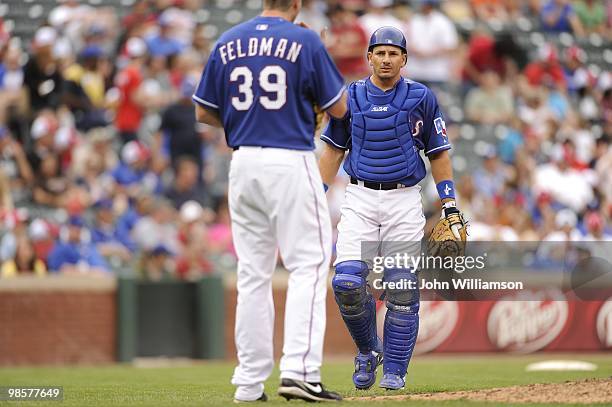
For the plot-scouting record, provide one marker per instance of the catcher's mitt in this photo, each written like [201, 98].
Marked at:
[319, 118]
[448, 238]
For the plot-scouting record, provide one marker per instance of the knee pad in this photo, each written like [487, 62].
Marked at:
[404, 300]
[350, 286]
[356, 303]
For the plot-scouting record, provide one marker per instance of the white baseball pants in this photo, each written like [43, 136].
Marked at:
[394, 218]
[277, 202]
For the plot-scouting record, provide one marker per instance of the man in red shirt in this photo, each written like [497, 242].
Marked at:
[547, 70]
[129, 109]
[348, 39]
[500, 54]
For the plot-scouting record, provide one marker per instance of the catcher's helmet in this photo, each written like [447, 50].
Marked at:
[388, 36]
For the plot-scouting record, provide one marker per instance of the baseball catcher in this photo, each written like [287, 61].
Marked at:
[390, 119]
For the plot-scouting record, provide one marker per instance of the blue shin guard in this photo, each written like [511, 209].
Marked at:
[400, 329]
[356, 303]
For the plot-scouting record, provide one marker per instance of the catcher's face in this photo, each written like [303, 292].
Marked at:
[386, 61]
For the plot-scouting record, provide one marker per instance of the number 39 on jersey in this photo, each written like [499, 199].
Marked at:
[272, 79]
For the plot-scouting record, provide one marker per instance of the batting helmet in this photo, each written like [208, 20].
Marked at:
[388, 36]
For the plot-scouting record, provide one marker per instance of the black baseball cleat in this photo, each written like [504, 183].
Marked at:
[297, 389]
[263, 397]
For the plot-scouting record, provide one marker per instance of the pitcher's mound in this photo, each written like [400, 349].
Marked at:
[585, 392]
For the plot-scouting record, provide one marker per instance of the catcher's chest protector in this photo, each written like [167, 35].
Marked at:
[382, 148]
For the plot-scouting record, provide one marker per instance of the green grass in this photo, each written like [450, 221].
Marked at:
[207, 384]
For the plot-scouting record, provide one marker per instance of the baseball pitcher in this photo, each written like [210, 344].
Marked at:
[260, 84]
[390, 120]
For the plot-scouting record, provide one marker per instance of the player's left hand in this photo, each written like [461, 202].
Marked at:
[455, 220]
[449, 236]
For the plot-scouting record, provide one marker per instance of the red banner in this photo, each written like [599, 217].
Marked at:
[546, 322]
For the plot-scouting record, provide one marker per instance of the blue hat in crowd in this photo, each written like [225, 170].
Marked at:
[188, 86]
[160, 250]
[103, 203]
[76, 220]
[92, 51]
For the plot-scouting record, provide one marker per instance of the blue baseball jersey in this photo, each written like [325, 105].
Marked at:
[426, 123]
[263, 77]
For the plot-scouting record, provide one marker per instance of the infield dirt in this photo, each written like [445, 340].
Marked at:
[588, 391]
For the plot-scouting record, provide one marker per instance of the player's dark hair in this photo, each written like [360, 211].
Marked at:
[278, 4]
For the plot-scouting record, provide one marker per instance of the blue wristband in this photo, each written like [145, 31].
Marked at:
[446, 189]
[325, 187]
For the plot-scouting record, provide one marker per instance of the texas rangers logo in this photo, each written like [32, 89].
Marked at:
[417, 128]
[440, 127]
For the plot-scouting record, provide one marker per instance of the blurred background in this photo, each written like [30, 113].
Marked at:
[105, 175]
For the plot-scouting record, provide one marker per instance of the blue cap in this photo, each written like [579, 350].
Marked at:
[91, 51]
[188, 86]
[160, 250]
[76, 221]
[103, 203]
[3, 132]
[388, 36]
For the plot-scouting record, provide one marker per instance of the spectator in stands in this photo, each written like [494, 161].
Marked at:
[490, 10]
[547, 69]
[94, 156]
[220, 233]
[42, 234]
[592, 16]
[499, 53]
[491, 178]
[157, 264]
[13, 162]
[558, 16]
[13, 103]
[24, 262]
[432, 44]
[347, 43]
[4, 35]
[42, 134]
[84, 89]
[139, 14]
[490, 103]
[164, 43]
[42, 78]
[13, 225]
[179, 130]
[74, 253]
[104, 233]
[133, 173]
[140, 206]
[192, 261]
[187, 185]
[595, 225]
[536, 113]
[157, 228]
[378, 14]
[201, 44]
[128, 81]
[51, 188]
[565, 222]
[577, 73]
[565, 185]
[313, 15]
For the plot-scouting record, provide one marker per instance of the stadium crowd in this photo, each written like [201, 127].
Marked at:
[103, 167]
